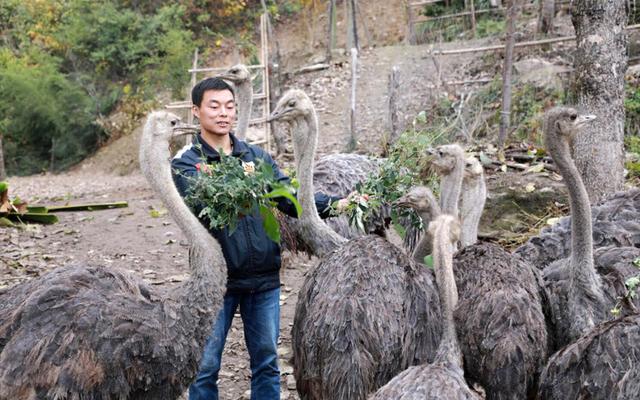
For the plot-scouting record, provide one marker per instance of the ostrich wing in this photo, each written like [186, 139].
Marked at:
[599, 365]
[87, 330]
[616, 221]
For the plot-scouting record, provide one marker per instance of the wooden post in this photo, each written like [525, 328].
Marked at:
[473, 16]
[505, 114]
[274, 79]
[331, 38]
[363, 20]
[3, 171]
[353, 142]
[352, 34]
[394, 118]
[194, 65]
[411, 34]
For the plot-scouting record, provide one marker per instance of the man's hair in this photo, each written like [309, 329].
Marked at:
[197, 93]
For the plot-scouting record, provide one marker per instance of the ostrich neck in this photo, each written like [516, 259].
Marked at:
[245, 100]
[448, 349]
[206, 286]
[320, 236]
[582, 272]
[450, 188]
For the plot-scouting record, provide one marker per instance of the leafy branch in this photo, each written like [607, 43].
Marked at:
[231, 189]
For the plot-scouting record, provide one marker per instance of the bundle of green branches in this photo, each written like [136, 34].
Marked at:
[230, 189]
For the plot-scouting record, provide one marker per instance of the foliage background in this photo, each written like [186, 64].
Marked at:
[66, 64]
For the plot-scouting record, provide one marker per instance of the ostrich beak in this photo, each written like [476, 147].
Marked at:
[583, 120]
[184, 129]
[276, 114]
[401, 202]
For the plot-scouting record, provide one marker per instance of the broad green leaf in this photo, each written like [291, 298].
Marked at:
[428, 261]
[270, 223]
[4, 186]
[283, 192]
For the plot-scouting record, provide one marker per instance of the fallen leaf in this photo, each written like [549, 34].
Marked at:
[530, 187]
[535, 169]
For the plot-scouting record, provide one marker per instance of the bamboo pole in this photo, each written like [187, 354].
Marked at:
[517, 45]
[411, 34]
[473, 17]
[194, 65]
[353, 142]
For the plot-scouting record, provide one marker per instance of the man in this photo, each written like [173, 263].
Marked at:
[253, 260]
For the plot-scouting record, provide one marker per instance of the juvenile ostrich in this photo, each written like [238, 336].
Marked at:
[500, 315]
[471, 204]
[366, 311]
[472, 199]
[444, 378]
[88, 332]
[422, 200]
[580, 295]
[240, 76]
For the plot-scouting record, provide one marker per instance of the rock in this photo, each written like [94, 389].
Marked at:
[540, 73]
[246, 395]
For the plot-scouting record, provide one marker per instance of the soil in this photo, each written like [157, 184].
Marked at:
[151, 245]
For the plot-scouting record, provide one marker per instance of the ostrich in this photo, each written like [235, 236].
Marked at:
[366, 311]
[422, 200]
[88, 332]
[240, 76]
[444, 378]
[580, 295]
[500, 315]
[472, 198]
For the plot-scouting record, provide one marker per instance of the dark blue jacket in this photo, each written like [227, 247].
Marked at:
[253, 260]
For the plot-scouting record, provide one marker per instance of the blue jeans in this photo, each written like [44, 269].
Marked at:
[260, 314]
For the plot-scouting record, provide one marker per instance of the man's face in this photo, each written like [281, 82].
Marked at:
[217, 113]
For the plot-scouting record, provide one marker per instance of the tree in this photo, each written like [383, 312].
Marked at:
[600, 65]
[547, 11]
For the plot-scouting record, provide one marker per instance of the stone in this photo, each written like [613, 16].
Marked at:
[540, 73]
[291, 382]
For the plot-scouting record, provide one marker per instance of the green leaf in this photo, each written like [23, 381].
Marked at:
[428, 261]
[4, 186]
[283, 192]
[270, 223]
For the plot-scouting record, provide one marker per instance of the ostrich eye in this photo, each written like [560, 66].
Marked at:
[573, 117]
[292, 103]
[174, 122]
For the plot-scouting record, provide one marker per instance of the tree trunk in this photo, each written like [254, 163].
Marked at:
[505, 120]
[3, 171]
[331, 38]
[394, 115]
[600, 64]
[547, 12]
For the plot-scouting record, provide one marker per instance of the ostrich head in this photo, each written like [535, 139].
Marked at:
[237, 74]
[445, 157]
[472, 168]
[161, 127]
[561, 125]
[293, 105]
[421, 199]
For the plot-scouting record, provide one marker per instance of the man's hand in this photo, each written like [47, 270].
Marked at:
[353, 197]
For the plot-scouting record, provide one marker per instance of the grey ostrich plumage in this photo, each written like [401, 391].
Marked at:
[616, 222]
[91, 332]
[444, 379]
[366, 311]
[602, 364]
[501, 321]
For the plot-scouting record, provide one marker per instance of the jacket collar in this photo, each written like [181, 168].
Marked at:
[239, 147]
